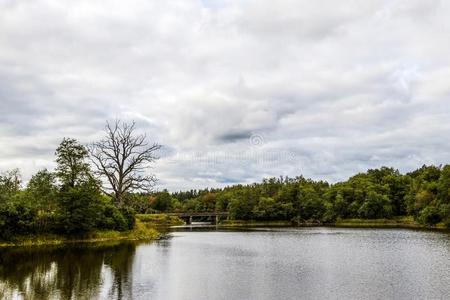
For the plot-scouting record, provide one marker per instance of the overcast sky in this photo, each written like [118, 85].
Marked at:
[235, 91]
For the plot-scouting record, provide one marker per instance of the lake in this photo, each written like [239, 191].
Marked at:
[262, 263]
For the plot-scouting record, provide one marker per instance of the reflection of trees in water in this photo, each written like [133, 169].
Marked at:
[73, 272]
[120, 261]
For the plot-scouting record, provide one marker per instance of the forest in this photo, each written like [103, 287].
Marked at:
[423, 194]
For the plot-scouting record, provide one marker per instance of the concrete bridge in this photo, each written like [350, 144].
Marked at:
[212, 216]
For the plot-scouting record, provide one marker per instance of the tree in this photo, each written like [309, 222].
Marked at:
[375, 206]
[444, 185]
[80, 208]
[162, 201]
[42, 190]
[121, 159]
[9, 183]
[311, 207]
[72, 168]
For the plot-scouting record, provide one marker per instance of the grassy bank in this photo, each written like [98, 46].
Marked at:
[379, 223]
[399, 222]
[147, 227]
[159, 220]
[250, 223]
[141, 231]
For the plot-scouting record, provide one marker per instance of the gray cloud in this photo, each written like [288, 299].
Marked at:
[328, 89]
[235, 136]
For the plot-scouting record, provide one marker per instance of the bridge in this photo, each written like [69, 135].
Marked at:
[212, 216]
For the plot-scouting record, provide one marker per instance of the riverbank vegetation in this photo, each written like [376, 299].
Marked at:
[72, 202]
[141, 231]
[159, 220]
[65, 202]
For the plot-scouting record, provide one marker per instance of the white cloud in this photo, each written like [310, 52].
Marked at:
[331, 88]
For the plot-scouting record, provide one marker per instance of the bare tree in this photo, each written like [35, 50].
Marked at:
[122, 158]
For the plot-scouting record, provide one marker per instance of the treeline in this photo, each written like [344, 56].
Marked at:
[378, 193]
[68, 201]
[71, 200]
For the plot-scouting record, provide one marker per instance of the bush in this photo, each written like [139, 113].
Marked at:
[140, 203]
[429, 216]
[129, 215]
[79, 207]
[112, 219]
[16, 219]
[445, 214]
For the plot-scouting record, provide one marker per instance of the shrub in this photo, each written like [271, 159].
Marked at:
[16, 219]
[112, 219]
[429, 216]
[129, 215]
[80, 207]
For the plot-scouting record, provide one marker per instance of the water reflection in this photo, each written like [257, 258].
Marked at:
[266, 263]
[75, 272]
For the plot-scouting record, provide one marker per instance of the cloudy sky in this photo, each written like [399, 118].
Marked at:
[235, 91]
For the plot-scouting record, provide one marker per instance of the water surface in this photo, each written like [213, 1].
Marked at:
[284, 263]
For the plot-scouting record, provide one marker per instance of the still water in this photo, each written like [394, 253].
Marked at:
[287, 263]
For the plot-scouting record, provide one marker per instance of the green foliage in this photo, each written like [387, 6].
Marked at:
[42, 190]
[79, 208]
[72, 167]
[444, 185]
[111, 218]
[159, 219]
[140, 203]
[9, 184]
[379, 193]
[161, 202]
[311, 206]
[429, 216]
[77, 205]
[16, 219]
[445, 214]
[128, 214]
[268, 208]
[241, 205]
[376, 206]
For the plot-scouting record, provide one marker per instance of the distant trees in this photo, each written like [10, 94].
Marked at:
[375, 206]
[122, 158]
[378, 193]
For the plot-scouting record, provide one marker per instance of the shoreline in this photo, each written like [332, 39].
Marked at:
[141, 232]
[405, 223]
[148, 227]
[154, 227]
